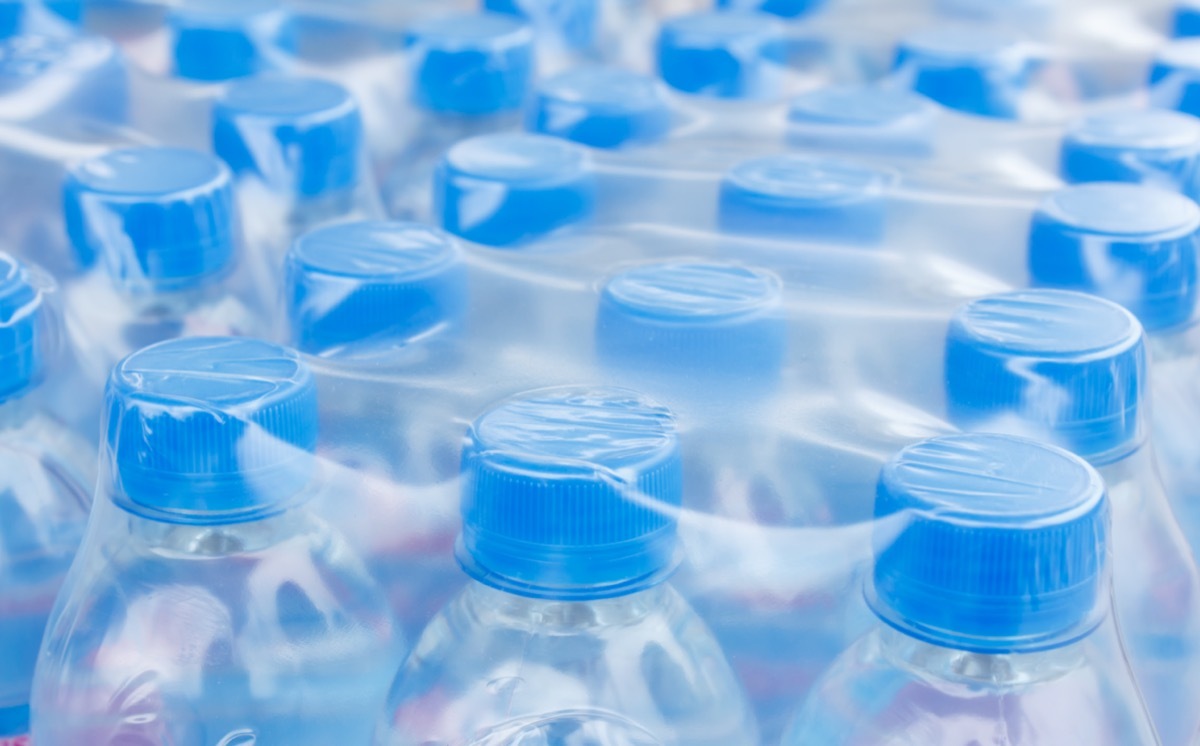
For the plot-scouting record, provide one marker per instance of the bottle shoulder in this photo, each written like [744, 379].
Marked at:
[885, 689]
[643, 662]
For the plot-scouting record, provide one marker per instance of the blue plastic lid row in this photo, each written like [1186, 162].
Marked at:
[972, 69]
[1063, 367]
[602, 107]
[210, 430]
[723, 54]
[567, 494]
[503, 190]
[301, 136]
[1003, 548]
[1155, 146]
[1134, 245]
[159, 219]
[805, 198]
[219, 40]
[21, 353]
[864, 118]
[694, 320]
[470, 64]
[373, 282]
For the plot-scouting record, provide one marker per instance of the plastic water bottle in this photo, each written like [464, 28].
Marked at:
[468, 75]
[990, 584]
[1070, 369]
[295, 146]
[568, 629]
[209, 604]
[45, 489]
[1155, 147]
[682, 329]
[1138, 246]
[158, 227]
[378, 309]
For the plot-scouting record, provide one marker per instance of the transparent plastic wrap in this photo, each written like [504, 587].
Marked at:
[540, 372]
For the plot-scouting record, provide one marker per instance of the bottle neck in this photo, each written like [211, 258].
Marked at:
[190, 541]
[497, 608]
[992, 670]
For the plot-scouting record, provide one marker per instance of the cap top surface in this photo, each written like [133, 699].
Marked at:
[858, 106]
[286, 97]
[150, 172]
[518, 158]
[808, 178]
[1149, 129]
[694, 292]
[1054, 323]
[220, 373]
[612, 428]
[1122, 210]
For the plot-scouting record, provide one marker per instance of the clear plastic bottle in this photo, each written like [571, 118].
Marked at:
[45, 489]
[990, 585]
[1070, 369]
[377, 309]
[208, 604]
[295, 146]
[159, 231]
[568, 626]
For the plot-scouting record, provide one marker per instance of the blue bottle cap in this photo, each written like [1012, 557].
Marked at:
[21, 353]
[470, 64]
[1063, 367]
[576, 21]
[1175, 77]
[301, 136]
[1185, 21]
[970, 69]
[12, 17]
[805, 198]
[783, 8]
[62, 77]
[161, 219]
[218, 40]
[70, 10]
[602, 107]
[1003, 547]
[725, 55]
[210, 430]
[502, 190]
[569, 494]
[694, 320]
[372, 282]
[863, 118]
[1134, 245]
[1153, 146]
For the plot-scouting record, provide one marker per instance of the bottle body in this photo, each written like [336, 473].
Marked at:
[44, 502]
[268, 631]
[889, 688]
[1156, 594]
[638, 669]
[1175, 357]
